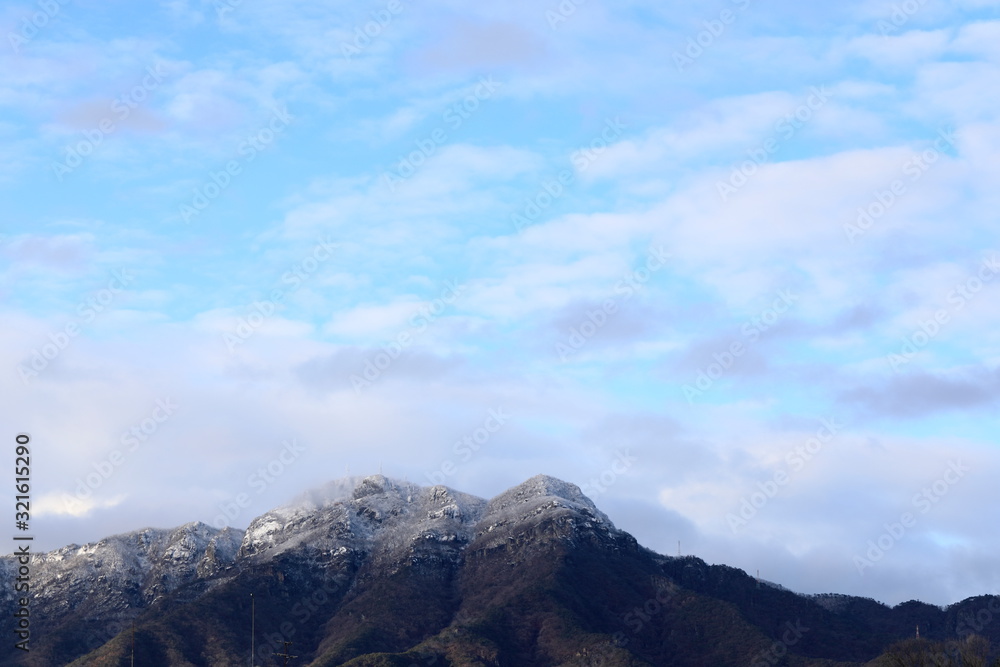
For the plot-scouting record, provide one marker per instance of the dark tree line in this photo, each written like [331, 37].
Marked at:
[973, 651]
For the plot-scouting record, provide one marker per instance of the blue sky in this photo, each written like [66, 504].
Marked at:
[732, 268]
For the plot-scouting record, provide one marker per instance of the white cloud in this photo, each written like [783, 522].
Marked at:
[901, 52]
[68, 504]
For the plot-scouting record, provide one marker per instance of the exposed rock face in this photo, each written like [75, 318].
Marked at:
[130, 570]
[378, 517]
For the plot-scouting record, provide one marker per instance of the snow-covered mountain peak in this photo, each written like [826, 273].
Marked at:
[373, 484]
[373, 513]
[541, 493]
[129, 570]
[358, 528]
[377, 513]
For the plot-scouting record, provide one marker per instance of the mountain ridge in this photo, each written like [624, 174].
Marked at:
[376, 571]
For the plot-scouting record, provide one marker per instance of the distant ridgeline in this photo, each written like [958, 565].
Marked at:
[378, 572]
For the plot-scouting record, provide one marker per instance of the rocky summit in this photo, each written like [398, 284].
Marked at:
[379, 572]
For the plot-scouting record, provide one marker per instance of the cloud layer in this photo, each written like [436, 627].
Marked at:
[727, 269]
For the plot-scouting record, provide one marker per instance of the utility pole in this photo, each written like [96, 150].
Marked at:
[133, 642]
[285, 655]
[253, 612]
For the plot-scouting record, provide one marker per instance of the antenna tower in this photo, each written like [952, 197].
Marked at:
[285, 655]
[253, 619]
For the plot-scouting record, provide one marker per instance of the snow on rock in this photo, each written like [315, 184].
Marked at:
[126, 571]
[370, 515]
[541, 496]
[375, 521]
